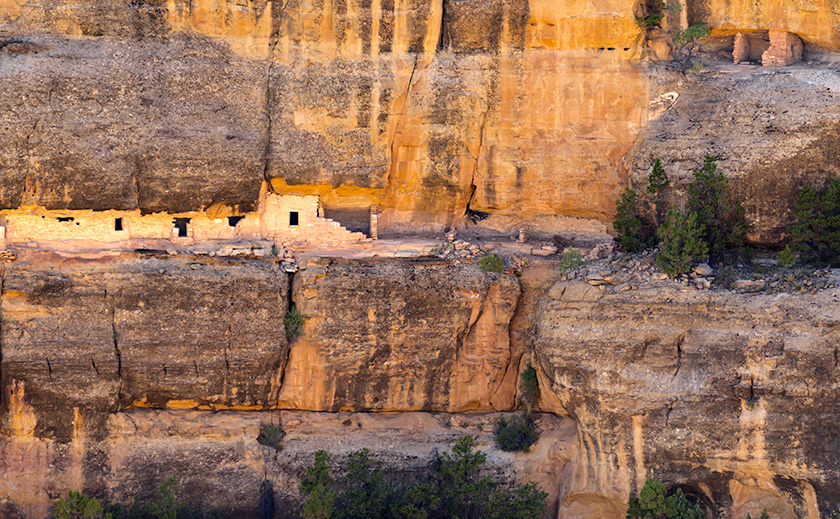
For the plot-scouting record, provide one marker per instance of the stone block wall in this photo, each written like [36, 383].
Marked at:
[785, 49]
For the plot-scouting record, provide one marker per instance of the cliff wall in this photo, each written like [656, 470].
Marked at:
[521, 110]
[121, 371]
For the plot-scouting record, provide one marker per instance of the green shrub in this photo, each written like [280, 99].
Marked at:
[515, 434]
[816, 232]
[657, 182]
[635, 233]
[681, 241]
[272, 436]
[80, 506]
[531, 384]
[527, 501]
[570, 260]
[166, 503]
[294, 322]
[787, 258]
[364, 492]
[491, 263]
[691, 33]
[457, 491]
[318, 488]
[652, 503]
[649, 21]
[722, 219]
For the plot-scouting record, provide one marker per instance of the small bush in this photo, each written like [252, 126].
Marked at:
[787, 258]
[652, 503]
[80, 506]
[682, 243]
[531, 384]
[491, 263]
[693, 32]
[294, 322]
[516, 434]
[272, 436]
[570, 260]
[166, 503]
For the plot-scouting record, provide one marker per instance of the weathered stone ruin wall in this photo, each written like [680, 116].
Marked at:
[278, 218]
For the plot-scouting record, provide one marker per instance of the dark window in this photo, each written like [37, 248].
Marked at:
[233, 220]
[65, 218]
[118, 224]
[181, 225]
[293, 218]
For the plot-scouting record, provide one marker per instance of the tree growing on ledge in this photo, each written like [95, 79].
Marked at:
[652, 503]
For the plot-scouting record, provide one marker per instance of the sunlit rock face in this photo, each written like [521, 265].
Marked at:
[721, 394]
[426, 109]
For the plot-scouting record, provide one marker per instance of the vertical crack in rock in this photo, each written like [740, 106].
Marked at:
[473, 187]
[115, 337]
[92, 363]
[680, 341]
[273, 40]
[512, 360]
[227, 347]
[401, 118]
[49, 368]
[835, 357]
[441, 45]
[284, 360]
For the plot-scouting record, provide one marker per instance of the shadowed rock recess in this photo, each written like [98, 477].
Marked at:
[120, 367]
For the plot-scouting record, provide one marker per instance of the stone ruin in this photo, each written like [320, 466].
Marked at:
[783, 49]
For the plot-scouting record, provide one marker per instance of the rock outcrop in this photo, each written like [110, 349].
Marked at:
[728, 396]
[427, 336]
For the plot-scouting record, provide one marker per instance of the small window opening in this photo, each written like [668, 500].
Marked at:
[293, 218]
[233, 220]
[118, 225]
[65, 218]
[181, 225]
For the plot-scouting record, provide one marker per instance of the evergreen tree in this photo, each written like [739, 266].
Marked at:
[317, 486]
[681, 242]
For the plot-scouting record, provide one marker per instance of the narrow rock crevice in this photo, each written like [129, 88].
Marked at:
[400, 120]
[273, 38]
[284, 360]
[680, 341]
[49, 369]
[227, 348]
[442, 35]
[468, 211]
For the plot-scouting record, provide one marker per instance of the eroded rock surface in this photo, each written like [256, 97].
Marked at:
[730, 396]
[401, 335]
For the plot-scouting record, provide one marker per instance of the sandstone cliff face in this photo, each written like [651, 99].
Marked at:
[103, 335]
[426, 336]
[522, 110]
[729, 396]
[771, 131]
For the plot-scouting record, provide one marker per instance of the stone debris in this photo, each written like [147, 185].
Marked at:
[704, 270]
[545, 250]
[7, 255]
[749, 284]
[600, 251]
